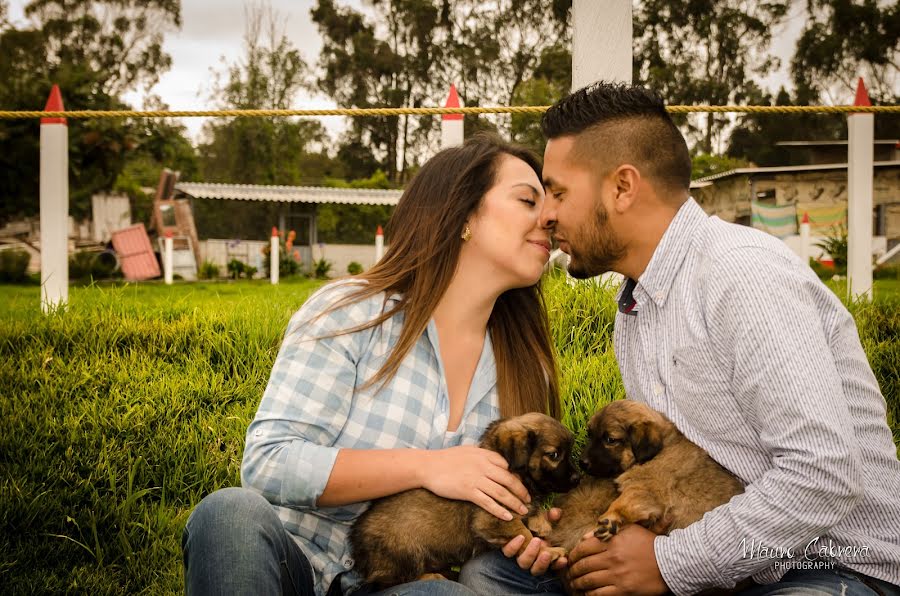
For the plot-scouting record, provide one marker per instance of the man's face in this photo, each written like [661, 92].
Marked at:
[574, 211]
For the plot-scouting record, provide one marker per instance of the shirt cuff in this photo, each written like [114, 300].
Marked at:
[684, 561]
[312, 465]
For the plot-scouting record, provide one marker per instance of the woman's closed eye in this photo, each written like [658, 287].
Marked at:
[529, 201]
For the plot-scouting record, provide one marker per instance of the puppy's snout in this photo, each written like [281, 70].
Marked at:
[585, 463]
[575, 478]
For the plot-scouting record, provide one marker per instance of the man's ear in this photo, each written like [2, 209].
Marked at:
[627, 179]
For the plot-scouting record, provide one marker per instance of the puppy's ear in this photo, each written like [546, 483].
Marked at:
[516, 445]
[646, 440]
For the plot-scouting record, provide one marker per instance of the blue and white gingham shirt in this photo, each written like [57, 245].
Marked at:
[754, 359]
[312, 408]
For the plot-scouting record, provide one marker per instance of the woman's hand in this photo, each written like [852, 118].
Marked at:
[535, 558]
[470, 473]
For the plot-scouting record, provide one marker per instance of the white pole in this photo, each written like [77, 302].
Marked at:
[54, 206]
[804, 239]
[379, 244]
[274, 258]
[601, 51]
[861, 140]
[452, 124]
[601, 41]
[168, 263]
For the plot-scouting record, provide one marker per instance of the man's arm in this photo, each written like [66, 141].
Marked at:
[762, 317]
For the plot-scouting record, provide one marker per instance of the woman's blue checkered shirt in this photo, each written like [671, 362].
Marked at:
[312, 408]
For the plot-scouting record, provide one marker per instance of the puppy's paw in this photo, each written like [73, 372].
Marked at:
[556, 552]
[539, 524]
[429, 576]
[606, 528]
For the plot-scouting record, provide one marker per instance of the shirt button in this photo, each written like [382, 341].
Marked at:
[659, 295]
[348, 562]
[658, 389]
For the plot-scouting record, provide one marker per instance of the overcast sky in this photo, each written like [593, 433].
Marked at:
[213, 29]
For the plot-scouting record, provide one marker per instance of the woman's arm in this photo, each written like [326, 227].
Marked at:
[465, 473]
[289, 454]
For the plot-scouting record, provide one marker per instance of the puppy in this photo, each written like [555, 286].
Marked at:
[417, 534]
[664, 480]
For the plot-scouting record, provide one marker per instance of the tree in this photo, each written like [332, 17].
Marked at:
[268, 150]
[756, 136]
[844, 39]
[551, 80]
[389, 63]
[158, 144]
[704, 51]
[95, 51]
[496, 47]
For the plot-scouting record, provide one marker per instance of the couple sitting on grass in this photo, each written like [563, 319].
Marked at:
[385, 381]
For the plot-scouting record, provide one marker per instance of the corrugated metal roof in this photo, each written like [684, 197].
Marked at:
[290, 194]
[787, 170]
[829, 143]
[136, 258]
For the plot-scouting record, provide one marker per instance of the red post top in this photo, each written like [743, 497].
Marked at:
[274, 232]
[452, 102]
[805, 218]
[168, 233]
[379, 232]
[54, 104]
[862, 96]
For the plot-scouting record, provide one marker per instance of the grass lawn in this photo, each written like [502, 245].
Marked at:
[119, 415]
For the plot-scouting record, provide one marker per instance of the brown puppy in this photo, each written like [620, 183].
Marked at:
[417, 534]
[581, 508]
[664, 480]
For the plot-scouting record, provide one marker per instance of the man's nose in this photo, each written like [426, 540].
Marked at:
[547, 218]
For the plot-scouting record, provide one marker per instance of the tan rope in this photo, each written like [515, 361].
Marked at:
[19, 115]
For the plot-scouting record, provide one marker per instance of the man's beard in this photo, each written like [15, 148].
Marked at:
[597, 249]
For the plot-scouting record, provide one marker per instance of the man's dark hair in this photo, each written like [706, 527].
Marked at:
[617, 123]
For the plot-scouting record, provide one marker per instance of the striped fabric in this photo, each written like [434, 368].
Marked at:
[779, 221]
[754, 359]
[312, 408]
[823, 219]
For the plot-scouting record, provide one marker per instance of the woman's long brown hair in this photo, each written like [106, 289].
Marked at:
[420, 261]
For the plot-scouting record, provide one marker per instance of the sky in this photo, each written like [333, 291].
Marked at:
[212, 30]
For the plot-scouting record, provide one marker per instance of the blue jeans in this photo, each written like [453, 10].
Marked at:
[494, 575]
[235, 544]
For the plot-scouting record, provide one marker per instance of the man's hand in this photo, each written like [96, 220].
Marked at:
[534, 558]
[626, 565]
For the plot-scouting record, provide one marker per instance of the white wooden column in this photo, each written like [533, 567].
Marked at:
[861, 141]
[601, 41]
[452, 124]
[54, 206]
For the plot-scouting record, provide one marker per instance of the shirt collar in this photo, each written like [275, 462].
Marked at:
[669, 255]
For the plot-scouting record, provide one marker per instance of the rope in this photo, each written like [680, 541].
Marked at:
[21, 115]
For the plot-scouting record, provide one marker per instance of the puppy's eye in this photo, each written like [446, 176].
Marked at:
[609, 440]
[553, 455]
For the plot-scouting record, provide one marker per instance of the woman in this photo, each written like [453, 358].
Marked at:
[385, 381]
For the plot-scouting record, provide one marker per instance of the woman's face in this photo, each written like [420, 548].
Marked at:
[507, 238]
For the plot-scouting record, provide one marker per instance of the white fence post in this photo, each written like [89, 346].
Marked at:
[274, 257]
[861, 141]
[601, 41]
[379, 244]
[452, 134]
[601, 51]
[54, 206]
[168, 260]
[804, 239]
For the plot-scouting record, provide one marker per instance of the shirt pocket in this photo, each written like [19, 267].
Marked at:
[701, 391]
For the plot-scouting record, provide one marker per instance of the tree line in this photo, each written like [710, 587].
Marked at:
[405, 53]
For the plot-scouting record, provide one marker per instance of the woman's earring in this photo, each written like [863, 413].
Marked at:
[466, 234]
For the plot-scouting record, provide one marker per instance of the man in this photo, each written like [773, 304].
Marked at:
[725, 331]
